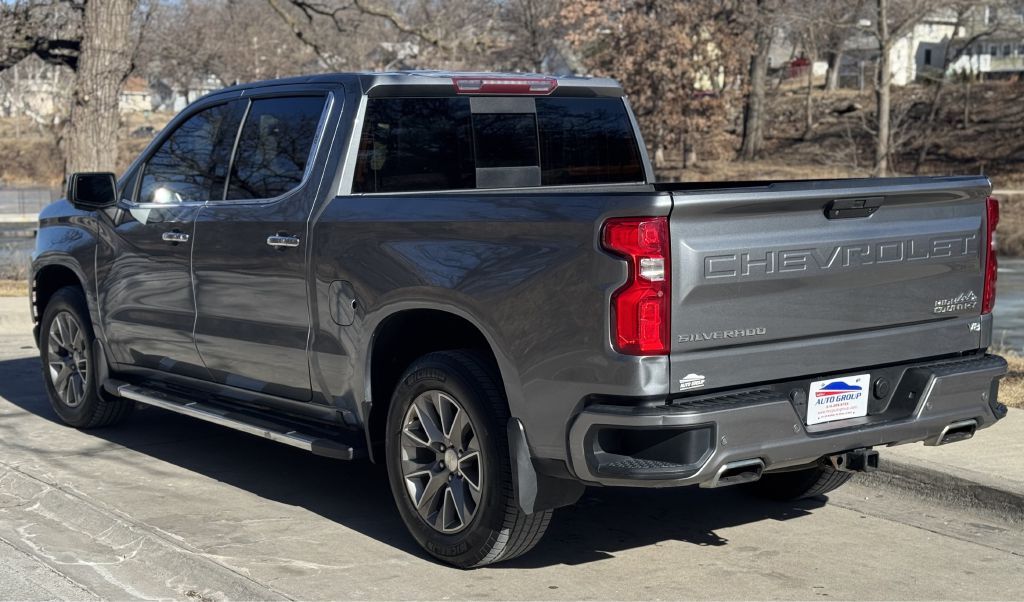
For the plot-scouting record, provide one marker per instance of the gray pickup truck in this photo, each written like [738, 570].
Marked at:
[475, 280]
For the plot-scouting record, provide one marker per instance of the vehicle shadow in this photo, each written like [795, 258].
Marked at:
[357, 494]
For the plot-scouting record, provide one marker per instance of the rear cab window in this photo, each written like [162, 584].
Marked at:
[476, 142]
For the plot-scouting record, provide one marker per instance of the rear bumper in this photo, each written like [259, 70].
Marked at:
[690, 441]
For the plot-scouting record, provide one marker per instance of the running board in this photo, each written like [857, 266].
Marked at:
[318, 445]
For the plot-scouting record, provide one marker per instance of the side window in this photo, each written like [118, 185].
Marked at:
[192, 164]
[415, 144]
[274, 146]
[587, 141]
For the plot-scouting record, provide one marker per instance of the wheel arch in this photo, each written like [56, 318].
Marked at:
[405, 335]
[50, 277]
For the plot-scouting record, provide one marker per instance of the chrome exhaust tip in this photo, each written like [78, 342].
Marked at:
[735, 473]
[958, 431]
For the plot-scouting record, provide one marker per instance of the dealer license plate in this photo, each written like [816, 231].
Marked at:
[838, 399]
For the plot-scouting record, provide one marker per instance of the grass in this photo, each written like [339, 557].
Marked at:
[1011, 390]
[13, 288]
[1010, 234]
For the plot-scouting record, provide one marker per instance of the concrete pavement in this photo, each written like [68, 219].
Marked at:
[168, 507]
[983, 473]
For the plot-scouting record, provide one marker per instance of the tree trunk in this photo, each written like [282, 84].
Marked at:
[91, 139]
[753, 111]
[968, 80]
[809, 105]
[689, 154]
[835, 60]
[928, 128]
[883, 85]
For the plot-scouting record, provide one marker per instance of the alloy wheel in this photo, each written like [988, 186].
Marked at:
[66, 358]
[442, 462]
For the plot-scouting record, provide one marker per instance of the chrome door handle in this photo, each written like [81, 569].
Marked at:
[175, 237]
[279, 240]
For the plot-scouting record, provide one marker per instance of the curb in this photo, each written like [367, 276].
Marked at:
[937, 483]
[14, 316]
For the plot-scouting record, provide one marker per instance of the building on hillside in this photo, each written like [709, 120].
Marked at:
[915, 54]
[136, 96]
[37, 90]
[994, 36]
[995, 43]
[167, 97]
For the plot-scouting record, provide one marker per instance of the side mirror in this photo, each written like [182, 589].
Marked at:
[89, 191]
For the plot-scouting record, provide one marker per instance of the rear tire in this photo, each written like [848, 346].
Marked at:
[69, 366]
[448, 463]
[799, 484]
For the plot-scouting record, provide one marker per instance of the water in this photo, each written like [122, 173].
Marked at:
[1008, 325]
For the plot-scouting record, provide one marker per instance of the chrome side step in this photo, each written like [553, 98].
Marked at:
[318, 445]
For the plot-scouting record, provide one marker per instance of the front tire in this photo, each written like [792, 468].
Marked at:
[69, 366]
[799, 484]
[448, 463]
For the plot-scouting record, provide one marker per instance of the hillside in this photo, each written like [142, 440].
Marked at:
[841, 144]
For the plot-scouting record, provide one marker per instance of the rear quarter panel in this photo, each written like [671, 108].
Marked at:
[526, 269]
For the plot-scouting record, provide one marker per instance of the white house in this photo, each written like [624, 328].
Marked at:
[912, 55]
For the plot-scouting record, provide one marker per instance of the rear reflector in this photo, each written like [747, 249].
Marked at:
[988, 298]
[538, 86]
[640, 308]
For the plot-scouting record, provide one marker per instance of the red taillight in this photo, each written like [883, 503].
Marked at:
[988, 298]
[640, 308]
[537, 86]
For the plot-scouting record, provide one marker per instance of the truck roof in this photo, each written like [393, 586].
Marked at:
[434, 83]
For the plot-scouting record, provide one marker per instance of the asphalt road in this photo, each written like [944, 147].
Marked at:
[167, 507]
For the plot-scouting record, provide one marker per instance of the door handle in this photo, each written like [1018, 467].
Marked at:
[175, 237]
[282, 241]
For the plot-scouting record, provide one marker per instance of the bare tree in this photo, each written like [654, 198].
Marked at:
[446, 34]
[963, 39]
[51, 30]
[836, 21]
[93, 37]
[680, 81]
[753, 109]
[893, 19]
[90, 142]
[819, 34]
[533, 28]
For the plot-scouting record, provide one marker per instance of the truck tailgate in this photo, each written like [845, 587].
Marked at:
[769, 283]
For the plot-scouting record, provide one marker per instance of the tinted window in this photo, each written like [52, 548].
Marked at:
[415, 144]
[586, 141]
[274, 146]
[192, 164]
[411, 144]
[505, 139]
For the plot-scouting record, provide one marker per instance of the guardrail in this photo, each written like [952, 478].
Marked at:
[26, 201]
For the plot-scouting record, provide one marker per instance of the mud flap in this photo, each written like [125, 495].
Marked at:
[536, 492]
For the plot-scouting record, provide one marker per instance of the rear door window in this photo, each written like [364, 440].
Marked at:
[423, 144]
[274, 146]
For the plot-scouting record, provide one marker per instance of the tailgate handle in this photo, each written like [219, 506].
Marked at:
[847, 208]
